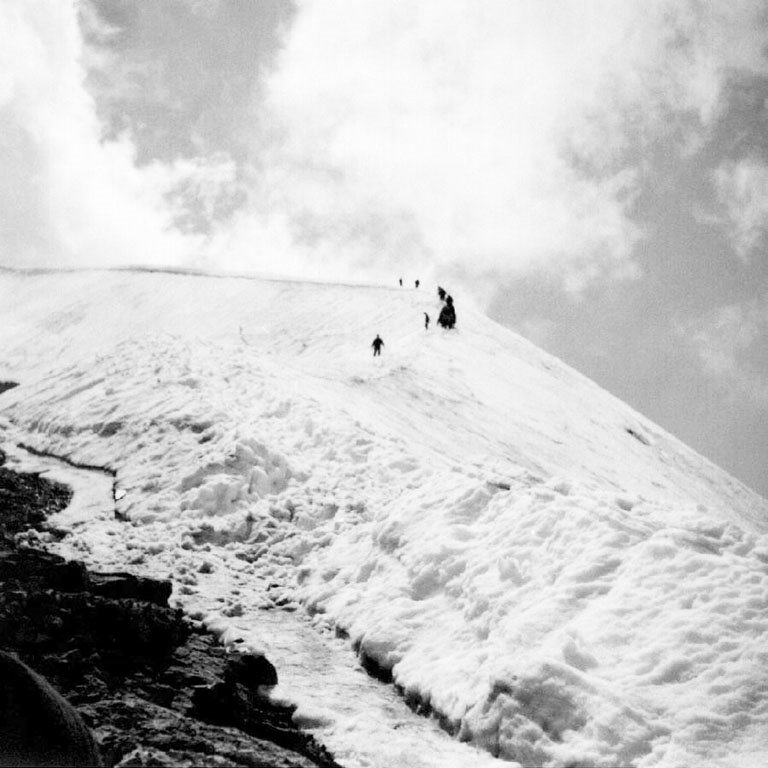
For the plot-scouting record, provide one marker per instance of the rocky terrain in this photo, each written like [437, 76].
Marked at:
[154, 690]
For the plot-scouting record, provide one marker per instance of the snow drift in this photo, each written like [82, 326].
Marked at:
[557, 578]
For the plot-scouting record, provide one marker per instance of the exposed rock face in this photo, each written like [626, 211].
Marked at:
[120, 586]
[154, 691]
[37, 725]
[26, 500]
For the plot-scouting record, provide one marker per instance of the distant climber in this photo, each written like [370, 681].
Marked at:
[377, 345]
[417, 283]
[441, 293]
[447, 317]
[401, 282]
[426, 321]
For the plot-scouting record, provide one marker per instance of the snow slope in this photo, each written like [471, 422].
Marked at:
[556, 577]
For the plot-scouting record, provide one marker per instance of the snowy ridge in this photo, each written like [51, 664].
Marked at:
[555, 576]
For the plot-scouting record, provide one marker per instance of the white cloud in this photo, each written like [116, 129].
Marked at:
[437, 126]
[730, 342]
[496, 134]
[459, 136]
[65, 196]
[743, 188]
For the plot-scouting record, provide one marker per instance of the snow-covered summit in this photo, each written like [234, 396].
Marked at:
[557, 577]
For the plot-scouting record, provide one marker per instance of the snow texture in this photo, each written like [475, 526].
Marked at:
[554, 576]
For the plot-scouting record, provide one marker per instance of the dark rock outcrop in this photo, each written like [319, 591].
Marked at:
[153, 690]
[119, 586]
[37, 725]
[236, 701]
[26, 500]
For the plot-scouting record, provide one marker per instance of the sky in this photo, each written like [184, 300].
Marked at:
[594, 173]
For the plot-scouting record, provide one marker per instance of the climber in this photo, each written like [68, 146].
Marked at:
[447, 317]
[377, 345]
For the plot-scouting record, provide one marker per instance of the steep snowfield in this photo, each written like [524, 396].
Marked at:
[552, 574]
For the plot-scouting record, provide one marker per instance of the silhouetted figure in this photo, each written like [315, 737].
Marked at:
[401, 282]
[38, 726]
[441, 293]
[417, 283]
[377, 345]
[447, 317]
[426, 321]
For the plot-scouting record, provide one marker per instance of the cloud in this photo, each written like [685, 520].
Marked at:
[442, 136]
[505, 136]
[729, 342]
[742, 188]
[199, 190]
[66, 196]
[430, 134]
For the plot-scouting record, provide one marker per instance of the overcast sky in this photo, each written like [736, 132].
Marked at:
[594, 171]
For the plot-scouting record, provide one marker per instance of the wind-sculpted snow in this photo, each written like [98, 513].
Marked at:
[555, 577]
